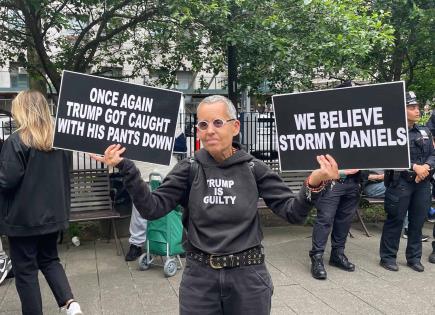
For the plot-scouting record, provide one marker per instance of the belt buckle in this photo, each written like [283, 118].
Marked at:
[218, 266]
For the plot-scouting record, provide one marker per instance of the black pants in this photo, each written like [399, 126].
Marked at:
[28, 254]
[416, 198]
[241, 290]
[335, 208]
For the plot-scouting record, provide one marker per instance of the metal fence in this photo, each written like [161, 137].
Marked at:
[257, 135]
[7, 126]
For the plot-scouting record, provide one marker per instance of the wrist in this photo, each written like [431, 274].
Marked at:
[313, 182]
[313, 186]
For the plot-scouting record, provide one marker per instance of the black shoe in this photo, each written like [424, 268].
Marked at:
[416, 266]
[391, 266]
[317, 268]
[432, 257]
[133, 253]
[341, 261]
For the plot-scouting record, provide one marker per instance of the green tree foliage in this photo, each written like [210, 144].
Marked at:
[281, 44]
[89, 35]
[411, 56]
[290, 42]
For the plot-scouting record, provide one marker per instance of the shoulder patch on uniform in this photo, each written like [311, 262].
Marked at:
[424, 133]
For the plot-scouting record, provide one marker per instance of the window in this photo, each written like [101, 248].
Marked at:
[111, 72]
[183, 80]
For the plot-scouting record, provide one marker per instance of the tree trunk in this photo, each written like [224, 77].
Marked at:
[36, 80]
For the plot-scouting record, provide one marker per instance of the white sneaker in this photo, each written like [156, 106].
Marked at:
[74, 309]
[5, 267]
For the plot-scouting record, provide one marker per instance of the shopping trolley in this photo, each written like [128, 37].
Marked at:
[164, 238]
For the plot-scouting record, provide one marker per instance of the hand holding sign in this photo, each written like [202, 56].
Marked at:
[328, 170]
[112, 155]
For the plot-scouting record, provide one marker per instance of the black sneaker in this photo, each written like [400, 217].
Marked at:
[405, 233]
[5, 268]
[133, 253]
[424, 238]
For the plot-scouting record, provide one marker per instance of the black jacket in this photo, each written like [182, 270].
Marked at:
[222, 201]
[34, 189]
[421, 146]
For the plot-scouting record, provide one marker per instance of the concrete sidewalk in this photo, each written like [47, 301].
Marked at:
[105, 284]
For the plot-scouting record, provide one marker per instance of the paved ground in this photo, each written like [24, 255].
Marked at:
[105, 284]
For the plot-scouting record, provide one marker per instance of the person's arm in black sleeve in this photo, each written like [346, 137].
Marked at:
[12, 165]
[279, 197]
[156, 204]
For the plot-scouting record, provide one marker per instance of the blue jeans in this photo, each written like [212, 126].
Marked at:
[375, 190]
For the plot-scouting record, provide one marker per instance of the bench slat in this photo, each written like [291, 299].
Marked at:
[90, 196]
[91, 215]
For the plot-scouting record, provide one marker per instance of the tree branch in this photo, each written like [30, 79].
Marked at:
[35, 33]
[105, 16]
[48, 25]
[94, 43]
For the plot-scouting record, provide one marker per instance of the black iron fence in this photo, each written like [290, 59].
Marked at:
[7, 126]
[257, 135]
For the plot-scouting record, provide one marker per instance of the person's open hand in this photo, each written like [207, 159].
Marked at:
[112, 155]
[328, 170]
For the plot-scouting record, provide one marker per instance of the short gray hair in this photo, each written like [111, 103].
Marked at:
[231, 110]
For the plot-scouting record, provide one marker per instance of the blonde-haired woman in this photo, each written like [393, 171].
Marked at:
[34, 186]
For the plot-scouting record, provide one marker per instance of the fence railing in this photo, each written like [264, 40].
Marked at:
[257, 135]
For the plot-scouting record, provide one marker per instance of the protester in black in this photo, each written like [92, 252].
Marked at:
[35, 203]
[408, 190]
[225, 271]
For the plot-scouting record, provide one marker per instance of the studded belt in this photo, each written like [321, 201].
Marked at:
[252, 256]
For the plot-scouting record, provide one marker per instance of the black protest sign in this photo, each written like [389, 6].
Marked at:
[362, 127]
[95, 112]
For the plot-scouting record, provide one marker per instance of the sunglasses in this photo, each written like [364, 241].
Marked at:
[217, 123]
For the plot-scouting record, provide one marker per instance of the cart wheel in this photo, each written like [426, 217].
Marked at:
[143, 263]
[170, 267]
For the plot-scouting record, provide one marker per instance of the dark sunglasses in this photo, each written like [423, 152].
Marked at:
[217, 123]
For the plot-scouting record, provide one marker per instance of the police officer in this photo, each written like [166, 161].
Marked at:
[408, 189]
[336, 208]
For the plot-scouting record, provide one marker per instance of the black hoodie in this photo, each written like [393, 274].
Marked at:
[223, 214]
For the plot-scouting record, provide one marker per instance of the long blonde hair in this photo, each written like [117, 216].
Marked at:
[35, 124]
